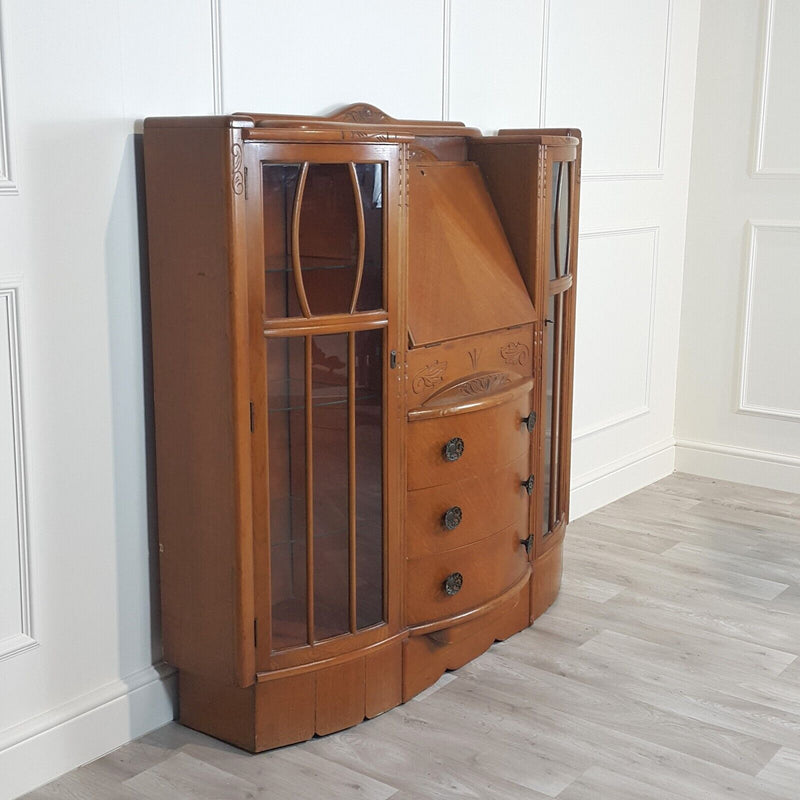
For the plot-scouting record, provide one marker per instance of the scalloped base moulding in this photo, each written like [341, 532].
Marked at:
[292, 705]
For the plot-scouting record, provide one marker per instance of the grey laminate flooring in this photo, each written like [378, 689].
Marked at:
[666, 669]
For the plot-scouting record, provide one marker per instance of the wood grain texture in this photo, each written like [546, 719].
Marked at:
[285, 555]
[462, 275]
[201, 449]
[661, 672]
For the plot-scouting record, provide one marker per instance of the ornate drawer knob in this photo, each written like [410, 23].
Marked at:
[452, 518]
[529, 421]
[528, 485]
[454, 449]
[453, 583]
[527, 543]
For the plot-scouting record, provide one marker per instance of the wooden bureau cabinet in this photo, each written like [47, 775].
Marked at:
[362, 353]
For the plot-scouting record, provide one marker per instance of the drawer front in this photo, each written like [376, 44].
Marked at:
[479, 572]
[450, 448]
[431, 368]
[456, 514]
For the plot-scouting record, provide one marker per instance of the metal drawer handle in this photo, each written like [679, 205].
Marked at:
[527, 543]
[452, 518]
[454, 449]
[453, 583]
[529, 421]
[528, 485]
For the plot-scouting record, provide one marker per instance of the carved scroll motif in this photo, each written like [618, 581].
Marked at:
[429, 376]
[515, 353]
[484, 384]
[237, 176]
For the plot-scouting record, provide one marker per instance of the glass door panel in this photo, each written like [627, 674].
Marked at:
[323, 238]
[324, 254]
[560, 294]
[369, 349]
[287, 501]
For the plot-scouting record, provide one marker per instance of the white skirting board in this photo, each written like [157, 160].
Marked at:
[739, 464]
[618, 478]
[39, 750]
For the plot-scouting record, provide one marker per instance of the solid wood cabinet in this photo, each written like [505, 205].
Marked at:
[362, 354]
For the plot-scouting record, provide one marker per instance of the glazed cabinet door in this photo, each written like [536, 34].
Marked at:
[323, 260]
[559, 232]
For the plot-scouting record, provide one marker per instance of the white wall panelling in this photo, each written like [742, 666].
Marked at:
[16, 624]
[495, 63]
[309, 57]
[777, 152]
[7, 184]
[771, 336]
[216, 56]
[447, 13]
[616, 314]
[738, 397]
[616, 90]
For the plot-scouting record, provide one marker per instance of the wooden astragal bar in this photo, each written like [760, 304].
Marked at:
[363, 338]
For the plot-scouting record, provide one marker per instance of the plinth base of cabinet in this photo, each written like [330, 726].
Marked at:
[284, 709]
[295, 704]
[427, 657]
[546, 580]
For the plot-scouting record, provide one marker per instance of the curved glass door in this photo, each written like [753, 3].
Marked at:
[325, 333]
[558, 337]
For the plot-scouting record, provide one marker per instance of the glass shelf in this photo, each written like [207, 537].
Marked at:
[317, 268]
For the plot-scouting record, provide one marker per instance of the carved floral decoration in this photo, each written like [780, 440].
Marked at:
[515, 353]
[429, 376]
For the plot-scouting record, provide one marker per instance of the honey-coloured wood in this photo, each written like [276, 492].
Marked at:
[482, 571]
[363, 337]
[455, 514]
[450, 448]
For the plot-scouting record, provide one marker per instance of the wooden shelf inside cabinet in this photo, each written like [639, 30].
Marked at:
[362, 352]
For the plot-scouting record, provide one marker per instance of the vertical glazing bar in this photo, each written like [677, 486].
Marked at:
[555, 435]
[296, 266]
[351, 472]
[361, 234]
[309, 495]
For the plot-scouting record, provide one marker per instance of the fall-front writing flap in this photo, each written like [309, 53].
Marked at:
[462, 277]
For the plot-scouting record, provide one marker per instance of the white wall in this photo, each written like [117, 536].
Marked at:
[738, 411]
[78, 629]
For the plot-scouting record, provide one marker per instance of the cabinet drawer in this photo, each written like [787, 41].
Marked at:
[485, 569]
[455, 514]
[450, 448]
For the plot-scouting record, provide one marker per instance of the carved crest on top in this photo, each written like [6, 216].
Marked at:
[363, 112]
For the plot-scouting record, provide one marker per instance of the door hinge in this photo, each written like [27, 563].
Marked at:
[393, 359]
[255, 633]
[245, 183]
[252, 417]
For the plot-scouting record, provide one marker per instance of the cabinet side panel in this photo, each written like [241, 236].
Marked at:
[186, 180]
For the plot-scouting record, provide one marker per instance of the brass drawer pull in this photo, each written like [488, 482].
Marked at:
[529, 421]
[451, 518]
[527, 543]
[453, 583]
[454, 449]
[528, 485]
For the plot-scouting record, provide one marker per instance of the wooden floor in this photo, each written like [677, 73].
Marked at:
[667, 669]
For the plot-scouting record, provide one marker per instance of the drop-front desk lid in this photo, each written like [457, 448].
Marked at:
[462, 276]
